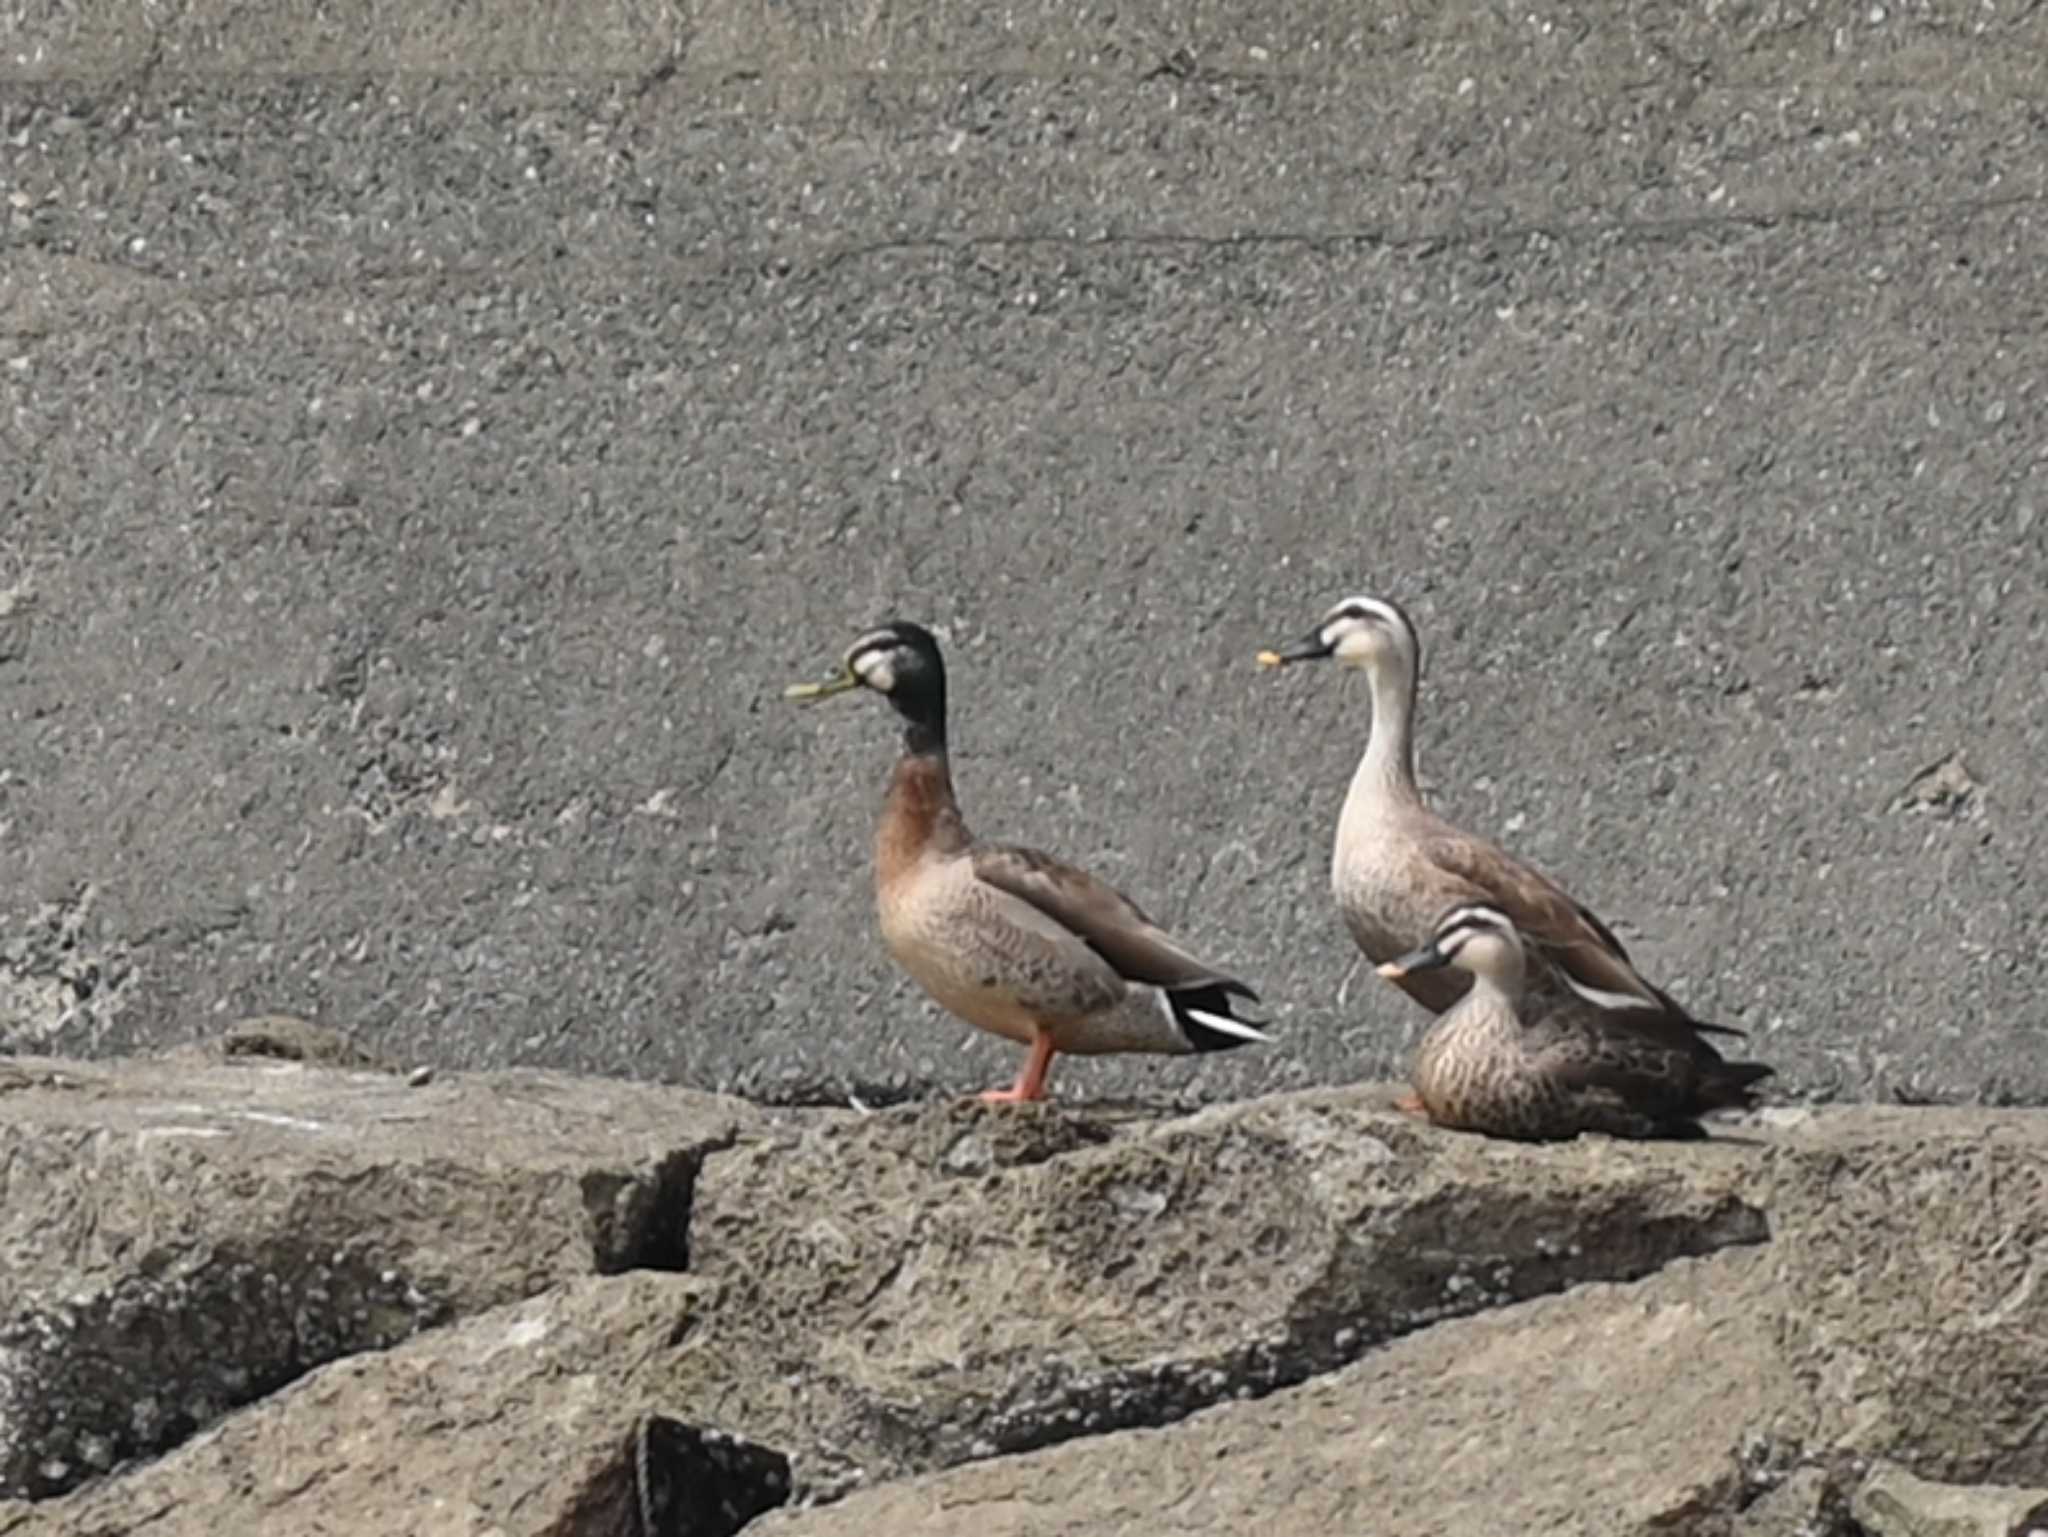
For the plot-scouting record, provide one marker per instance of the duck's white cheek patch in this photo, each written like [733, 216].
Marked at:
[876, 673]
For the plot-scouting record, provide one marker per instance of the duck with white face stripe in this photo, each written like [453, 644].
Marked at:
[1013, 941]
[1632, 1071]
[1396, 865]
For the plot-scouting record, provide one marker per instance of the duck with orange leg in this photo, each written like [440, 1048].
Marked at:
[1013, 941]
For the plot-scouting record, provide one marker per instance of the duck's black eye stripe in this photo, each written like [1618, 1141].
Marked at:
[1464, 925]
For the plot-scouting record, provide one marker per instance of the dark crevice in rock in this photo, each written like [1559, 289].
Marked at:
[1772, 1484]
[1711, 1511]
[157, 1357]
[1331, 1335]
[642, 1221]
[1441, 1255]
[1054, 1404]
[700, 1483]
[674, 1479]
[1290, 1243]
[1717, 1508]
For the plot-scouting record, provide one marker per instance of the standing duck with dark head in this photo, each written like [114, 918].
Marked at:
[1013, 941]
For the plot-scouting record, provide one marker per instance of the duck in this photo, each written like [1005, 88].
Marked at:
[1007, 938]
[1396, 864]
[1634, 1071]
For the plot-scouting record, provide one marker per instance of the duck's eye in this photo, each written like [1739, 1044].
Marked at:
[874, 667]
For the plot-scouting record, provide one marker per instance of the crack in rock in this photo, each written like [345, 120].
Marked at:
[689, 1482]
[672, 1478]
[1051, 1406]
[185, 1239]
[640, 1219]
[1223, 1255]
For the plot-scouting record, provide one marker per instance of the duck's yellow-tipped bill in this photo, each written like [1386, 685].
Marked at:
[1310, 648]
[825, 690]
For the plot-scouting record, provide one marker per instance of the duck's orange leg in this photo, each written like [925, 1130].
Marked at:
[1411, 1104]
[1030, 1082]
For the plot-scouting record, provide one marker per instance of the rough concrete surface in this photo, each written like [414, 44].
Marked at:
[431, 435]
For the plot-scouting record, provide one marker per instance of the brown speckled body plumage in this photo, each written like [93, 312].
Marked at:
[1495, 1064]
[1571, 1074]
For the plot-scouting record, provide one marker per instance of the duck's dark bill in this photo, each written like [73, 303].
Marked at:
[1312, 648]
[1428, 958]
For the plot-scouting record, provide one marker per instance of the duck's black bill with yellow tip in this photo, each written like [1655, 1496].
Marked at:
[1429, 958]
[1310, 648]
[814, 691]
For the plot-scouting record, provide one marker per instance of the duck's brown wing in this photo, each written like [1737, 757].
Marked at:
[1570, 935]
[1652, 1061]
[1106, 920]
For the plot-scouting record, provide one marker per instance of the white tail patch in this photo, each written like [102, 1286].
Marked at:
[1223, 1024]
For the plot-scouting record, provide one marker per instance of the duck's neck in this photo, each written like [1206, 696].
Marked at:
[1386, 771]
[1490, 1014]
[1499, 988]
[920, 815]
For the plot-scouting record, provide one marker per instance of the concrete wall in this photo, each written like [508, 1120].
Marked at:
[431, 435]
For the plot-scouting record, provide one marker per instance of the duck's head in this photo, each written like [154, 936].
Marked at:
[1358, 632]
[900, 661]
[1472, 937]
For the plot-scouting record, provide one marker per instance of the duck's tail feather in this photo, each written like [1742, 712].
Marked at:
[1732, 1085]
[1202, 1014]
[1702, 1026]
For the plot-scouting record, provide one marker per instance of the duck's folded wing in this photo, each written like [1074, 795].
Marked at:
[1103, 918]
[1567, 931]
[1639, 1059]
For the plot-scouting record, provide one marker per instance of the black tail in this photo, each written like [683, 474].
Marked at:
[1732, 1085]
[1704, 1027]
[1203, 1015]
